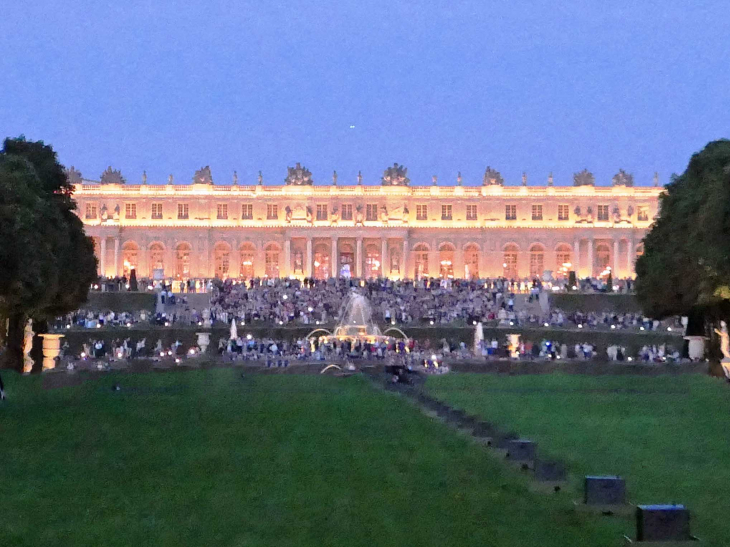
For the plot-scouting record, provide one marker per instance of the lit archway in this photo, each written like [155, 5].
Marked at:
[347, 260]
[222, 259]
[248, 258]
[471, 261]
[156, 260]
[563, 260]
[271, 260]
[372, 261]
[130, 257]
[509, 261]
[321, 261]
[537, 260]
[182, 260]
[446, 261]
[603, 260]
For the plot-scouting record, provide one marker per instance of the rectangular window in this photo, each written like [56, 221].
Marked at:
[421, 212]
[272, 211]
[602, 212]
[91, 210]
[157, 211]
[510, 212]
[222, 211]
[537, 212]
[446, 212]
[182, 211]
[371, 211]
[347, 211]
[247, 211]
[563, 212]
[471, 212]
[321, 212]
[130, 210]
[642, 213]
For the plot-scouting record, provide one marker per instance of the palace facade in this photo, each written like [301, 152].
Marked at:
[201, 229]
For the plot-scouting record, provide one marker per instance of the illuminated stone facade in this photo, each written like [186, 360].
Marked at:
[302, 229]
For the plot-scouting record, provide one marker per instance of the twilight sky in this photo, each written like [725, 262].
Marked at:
[440, 86]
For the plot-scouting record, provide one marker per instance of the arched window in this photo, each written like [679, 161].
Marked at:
[471, 261]
[372, 261]
[563, 256]
[248, 256]
[182, 260]
[271, 261]
[603, 259]
[222, 259]
[420, 258]
[509, 262]
[156, 259]
[130, 257]
[446, 261]
[537, 261]
[321, 261]
[347, 260]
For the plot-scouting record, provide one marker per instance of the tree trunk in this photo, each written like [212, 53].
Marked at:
[16, 330]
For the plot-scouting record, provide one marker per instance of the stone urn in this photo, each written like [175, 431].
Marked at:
[203, 341]
[696, 347]
[51, 349]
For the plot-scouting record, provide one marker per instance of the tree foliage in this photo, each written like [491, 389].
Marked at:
[685, 268]
[46, 261]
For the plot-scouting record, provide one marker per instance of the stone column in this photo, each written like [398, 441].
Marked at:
[629, 258]
[334, 267]
[286, 270]
[616, 268]
[384, 266]
[308, 265]
[116, 256]
[576, 257]
[591, 264]
[404, 263]
[102, 258]
[358, 258]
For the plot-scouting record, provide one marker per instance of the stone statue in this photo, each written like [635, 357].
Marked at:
[406, 212]
[589, 214]
[492, 177]
[656, 178]
[158, 347]
[261, 178]
[622, 178]
[206, 319]
[616, 214]
[335, 215]
[235, 178]
[334, 178]
[434, 180]
[298, 176]
[112, 176]
[358, 215]
[287, 211]
[458, 179]
[170, 179]
[116, 212]
[144, 177]
[524, 179]
[584, 178]
[550, 179]
[104, 213]
[724, 341]
[577, 211]
[73, 176]
[27, 346]
[310, 215]
[203, 176]
[630, 211]
[359, 178]
[383, 213]
[395, 176]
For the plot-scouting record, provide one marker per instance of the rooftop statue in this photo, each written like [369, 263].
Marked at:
[550, 179]
[261, 178]
[298, 176]
[622, 178]
[235, 178]
[458, 179]
[524, 179]
[144, 177]
[73, 176]
[584, 178]
[434, 180]
[170, 179]
[112, 176]
[203, 176]
[359, 178]
[492, 177]
[334, 178]
[395, 176]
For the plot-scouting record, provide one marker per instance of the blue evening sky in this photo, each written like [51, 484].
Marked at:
[440, 86]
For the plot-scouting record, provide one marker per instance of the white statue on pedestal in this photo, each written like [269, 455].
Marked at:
[206, 319]
[724, 341]
[27, 346]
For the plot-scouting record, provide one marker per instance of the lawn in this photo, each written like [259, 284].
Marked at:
[669, 436]
[208, 458]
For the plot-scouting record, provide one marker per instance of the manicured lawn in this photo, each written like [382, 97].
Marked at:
[206, 458]
[668, 435]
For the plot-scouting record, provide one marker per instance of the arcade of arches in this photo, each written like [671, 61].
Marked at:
[324, 257]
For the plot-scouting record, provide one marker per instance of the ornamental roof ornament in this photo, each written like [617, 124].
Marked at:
[492, 177]
[235, 178]
[395, 176]
[550, 179]
[112, 176]
[584, 178]
[298, 176]
[73, 176]
[459, 179]
[622, 178]
[524, 178]
[656, 178]
[203, 176]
